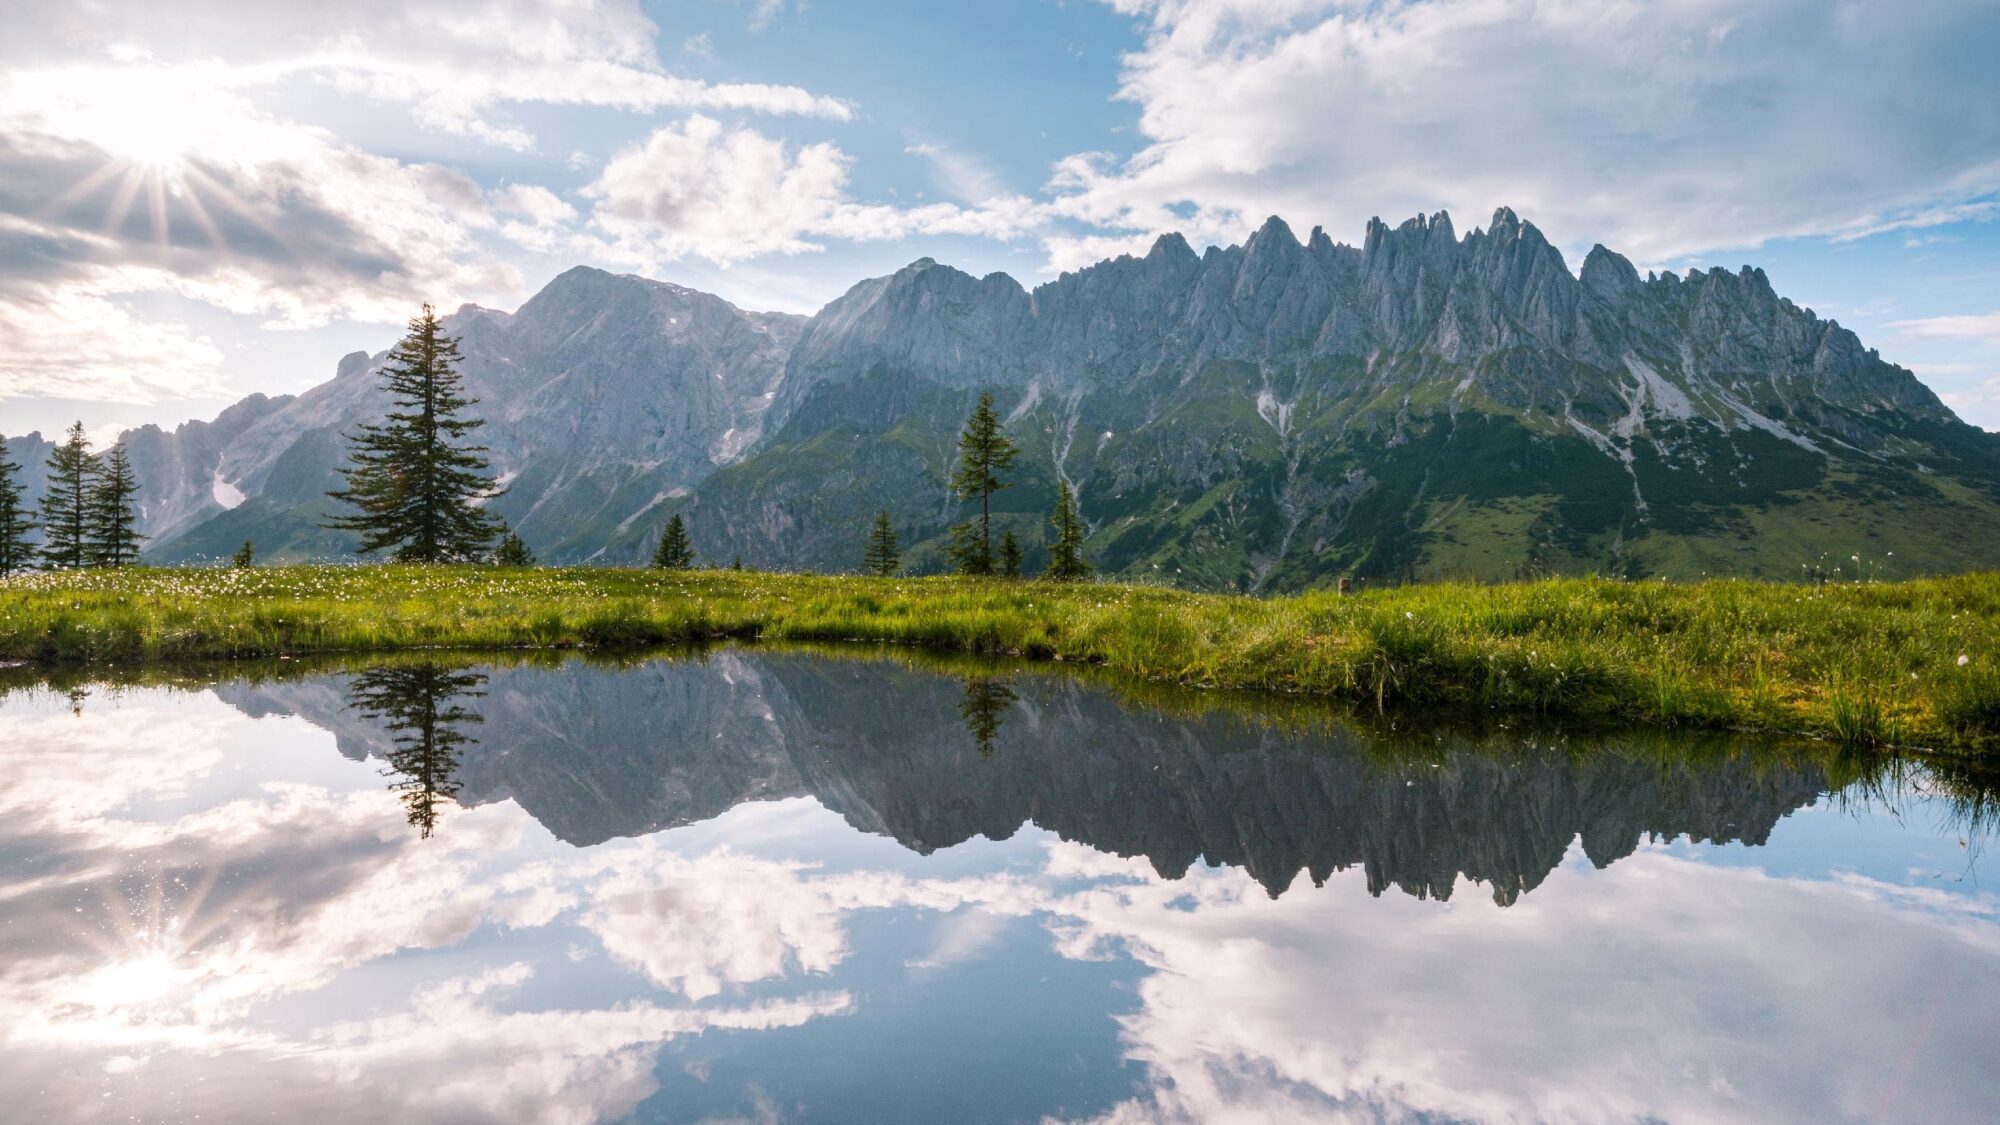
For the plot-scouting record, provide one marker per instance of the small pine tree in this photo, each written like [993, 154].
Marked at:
[1066, 561]
[15, 551]
[66, 505]
[416, 484]
[985, 701]
[513, 552]
[736, 563]
[112, 518]
[1010, 555]
[883, 556]
[674, 552]
[245, 556]
[984, 452]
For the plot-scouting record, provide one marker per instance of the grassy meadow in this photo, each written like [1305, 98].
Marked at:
[1913, 663]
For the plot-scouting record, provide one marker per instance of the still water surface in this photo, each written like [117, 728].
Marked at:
[757, 886]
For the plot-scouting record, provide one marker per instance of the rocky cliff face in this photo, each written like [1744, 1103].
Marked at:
[603, 397]
[1270, 415]
[594, 754]
[1266, 416]
[30, 451]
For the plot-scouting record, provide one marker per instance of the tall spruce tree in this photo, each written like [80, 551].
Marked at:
[1066, 561]
[15, 551]
[66, 505]
[984, 452]
[1010, 555]
[674, 551]
[883, 556]
[112, 517]
[419, 706]
[414, 480]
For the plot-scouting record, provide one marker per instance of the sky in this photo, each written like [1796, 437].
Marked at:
[209, 198]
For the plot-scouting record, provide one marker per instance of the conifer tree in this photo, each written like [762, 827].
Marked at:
[674, 552]
[1010, 555]
[419, 706]
[883, 556]
[246, 555]
[982, 706]
[111, 517]
[984, 452]
[66, 505]
[1066, 559]
[413, 479]
[514, 551]
[15, 551]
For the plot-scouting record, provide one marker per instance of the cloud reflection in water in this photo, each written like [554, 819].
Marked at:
[205, 909]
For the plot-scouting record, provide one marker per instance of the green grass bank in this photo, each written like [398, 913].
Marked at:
[1912, 663]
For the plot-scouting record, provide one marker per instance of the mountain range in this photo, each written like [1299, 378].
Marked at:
[1268, 416]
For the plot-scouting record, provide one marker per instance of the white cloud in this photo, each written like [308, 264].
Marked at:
[1074, 252]
[145, 179]
[68, 342]
[454, 1053]
[696, 925]
[1662, 989]
[1978, 402]
[1985, 327]
[1661, 129]
[698, 188]
[763, 12]
[452, 64]
[534, 216]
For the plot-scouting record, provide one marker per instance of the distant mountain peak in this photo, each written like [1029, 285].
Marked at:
[1274, 229]
[1172, 246]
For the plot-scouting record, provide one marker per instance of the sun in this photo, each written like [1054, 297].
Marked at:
[163, 134]
[158, 140]
[135, 982]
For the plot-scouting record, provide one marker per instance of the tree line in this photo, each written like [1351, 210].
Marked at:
[417, 487]
[88, 517]
[985, 453]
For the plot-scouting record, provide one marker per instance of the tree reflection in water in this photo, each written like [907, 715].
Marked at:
[985, 699]
[418, 704]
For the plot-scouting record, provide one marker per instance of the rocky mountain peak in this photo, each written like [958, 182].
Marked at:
[1172, 247]
[1608, 275]
[1273, 237]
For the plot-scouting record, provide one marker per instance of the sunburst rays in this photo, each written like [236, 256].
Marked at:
[163, 151]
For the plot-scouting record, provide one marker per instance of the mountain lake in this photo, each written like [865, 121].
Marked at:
[757, 884]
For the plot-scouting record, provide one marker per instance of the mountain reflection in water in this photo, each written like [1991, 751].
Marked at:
[779, 886]
[595, 753]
